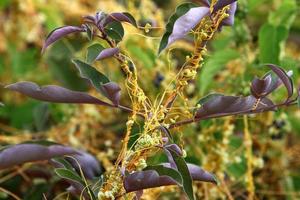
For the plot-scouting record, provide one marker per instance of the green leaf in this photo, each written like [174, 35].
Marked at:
[166, 171]
[90, 73]
[285, 14]
[58, 59]
[63, 161]
[4, 4]
[69, 174]
[22, 62]
[144, 56]
[180, 10]
[41, 115]
[185, 174]
[89, 32]
[115, 31]
[92, 52]
[271, 40]
[131, 18]
[215, 64]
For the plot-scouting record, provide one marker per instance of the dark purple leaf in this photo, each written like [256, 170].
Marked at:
[197, 173]
[229, 21]
[167, 132]
[166, 171]
[176, 149]
[284, 77]
[54, 93]
[150, 178]
[221, 4]
[276, 81]
[146, 179]
[222, 105]
[121, 17]
[112, 91]
[260, 87]
[88, 163]
[21, 153]
[106, 53]
[59, 33]
[184, 24]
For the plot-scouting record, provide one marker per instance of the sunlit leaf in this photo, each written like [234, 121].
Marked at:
[107, 53]
[180, 11]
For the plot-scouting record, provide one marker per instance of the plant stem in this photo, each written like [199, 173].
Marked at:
[249, 157]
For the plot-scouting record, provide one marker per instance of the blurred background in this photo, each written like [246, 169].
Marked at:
[265, 31]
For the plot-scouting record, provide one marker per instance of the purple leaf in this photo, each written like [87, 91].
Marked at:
[229, 21]
[58, 33]
[180, 11]
[150, 178]
[106, 53]
[121, 17]
[221, 105]
[146, 179]
[175, 148]
[112, 91]
[88, 163]
[221, 4]
[21, 153]
[187, 22]
[261, 87]
[166, 131]
[54, 93]
[197, 173]
[284, 77]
